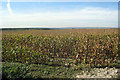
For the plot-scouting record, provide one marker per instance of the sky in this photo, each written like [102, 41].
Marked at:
[58, 14]
[62, 0]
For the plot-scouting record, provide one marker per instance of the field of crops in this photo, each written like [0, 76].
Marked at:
[76, 47]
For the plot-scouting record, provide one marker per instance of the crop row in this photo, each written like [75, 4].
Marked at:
[73, 48]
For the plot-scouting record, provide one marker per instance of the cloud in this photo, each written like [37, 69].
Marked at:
[9, 8]
[64, 0]
[89, 16]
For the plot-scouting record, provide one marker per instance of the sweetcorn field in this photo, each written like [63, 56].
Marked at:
[62, 47]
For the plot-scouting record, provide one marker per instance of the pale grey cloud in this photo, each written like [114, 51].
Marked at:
[89, 16]
[9, 8]
[62, 0]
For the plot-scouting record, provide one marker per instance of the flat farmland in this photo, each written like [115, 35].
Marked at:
[56, 32]
[77, 45]
[71, 48]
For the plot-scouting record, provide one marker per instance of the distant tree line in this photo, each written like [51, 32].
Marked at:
[27, 28]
